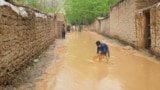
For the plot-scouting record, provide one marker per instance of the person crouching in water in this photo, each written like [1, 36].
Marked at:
[102, 51]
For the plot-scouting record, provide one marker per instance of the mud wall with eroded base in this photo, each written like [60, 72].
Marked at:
[24, 34]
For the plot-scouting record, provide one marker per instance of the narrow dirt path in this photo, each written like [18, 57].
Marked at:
[71, 67]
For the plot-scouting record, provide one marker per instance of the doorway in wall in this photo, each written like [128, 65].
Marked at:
[147, 34]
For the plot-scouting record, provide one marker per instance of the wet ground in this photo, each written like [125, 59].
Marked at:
[72, 67]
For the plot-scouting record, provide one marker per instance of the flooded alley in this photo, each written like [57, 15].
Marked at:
[127, 69]
[35, 54]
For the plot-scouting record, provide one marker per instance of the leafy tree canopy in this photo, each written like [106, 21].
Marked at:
[85, 11]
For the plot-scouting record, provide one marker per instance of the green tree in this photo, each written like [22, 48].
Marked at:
[85, 11]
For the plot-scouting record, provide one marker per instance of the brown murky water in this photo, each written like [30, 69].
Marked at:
[127, 69]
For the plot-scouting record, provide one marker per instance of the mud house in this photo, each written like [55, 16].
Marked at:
[137, 22]
[148, 26]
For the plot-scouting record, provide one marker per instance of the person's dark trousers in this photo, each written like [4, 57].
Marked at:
[63, 35]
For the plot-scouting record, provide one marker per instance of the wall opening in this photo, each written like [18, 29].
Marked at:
[147, 30]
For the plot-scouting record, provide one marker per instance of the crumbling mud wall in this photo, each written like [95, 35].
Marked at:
[155, 30]
[122, 21]
[105, 26]
[24, 34]
[140, 26]
[101, 26]
[94, 26]
[145, 3]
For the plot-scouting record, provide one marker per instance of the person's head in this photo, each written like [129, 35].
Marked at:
[98, 43]
[63, 25]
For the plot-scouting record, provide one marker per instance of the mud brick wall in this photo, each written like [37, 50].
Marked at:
[122, 21]
[22, 39]
[105, 26]
[155, 30]
[94, 26]
[101, 26]
[145, 3]
[141, 21]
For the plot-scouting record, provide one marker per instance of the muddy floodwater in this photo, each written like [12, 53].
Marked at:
[127, 69]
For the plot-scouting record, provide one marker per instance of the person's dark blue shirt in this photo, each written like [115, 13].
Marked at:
[103, 49]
